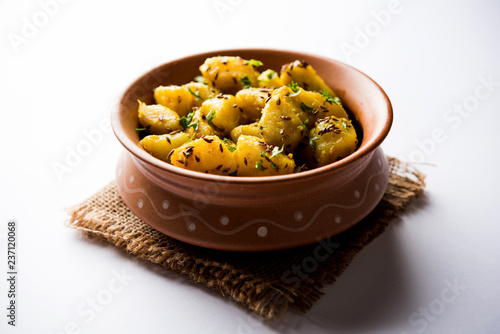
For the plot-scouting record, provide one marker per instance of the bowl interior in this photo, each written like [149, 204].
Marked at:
[365, 100]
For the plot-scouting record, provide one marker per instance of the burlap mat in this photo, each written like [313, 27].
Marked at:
[266, 282]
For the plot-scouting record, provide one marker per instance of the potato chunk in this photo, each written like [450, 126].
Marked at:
[200, 125]
[160, 146]
[334, 138]
[270, 79]
[283, 121]
[318, 106]
[252, 101]
[229, 74]
[176, 98]
[182, 99]
[227, 114]
[305, 75]
[200, 92]
[256, 158]
[207, 155]
[247, 129]
[158, 119]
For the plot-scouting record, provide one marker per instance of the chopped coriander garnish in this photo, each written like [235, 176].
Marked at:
[261, 127]
[305, 107]
[295, 89]
[189, 140]
[254, 62]
[228, 144]
[194, 125]
[246, 82]
[329, 99]
[273, 164]
[140, 129]
[210, 117]
[200, 79]
[259, 166]
[304, 125]
[312, 142]
[277, 150]
[195, 94]
[262, 154]
[186, 121]
[271, 75]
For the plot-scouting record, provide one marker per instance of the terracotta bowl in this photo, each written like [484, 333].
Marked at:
[256, 213]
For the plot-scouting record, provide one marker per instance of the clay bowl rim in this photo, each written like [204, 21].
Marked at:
[134, 147]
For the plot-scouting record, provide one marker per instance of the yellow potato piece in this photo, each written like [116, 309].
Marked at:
[229, 74]
[336, 139]
[206, 155]
[319, 107]
[160, 146]
[254, 158]
[283, 121]
[200, 93]
[176, 98]
[158, 119]
[270, 79]
[200, 126]
[305, 75]
[247, 129]
[227, 114]
[251, 101]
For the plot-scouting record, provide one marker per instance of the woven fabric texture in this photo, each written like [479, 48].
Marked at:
[260, 281]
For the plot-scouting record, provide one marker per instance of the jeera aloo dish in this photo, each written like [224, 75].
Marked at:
[234, 120]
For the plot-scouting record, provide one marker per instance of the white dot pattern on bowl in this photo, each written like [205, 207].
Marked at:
[192, 227]
[165, 204]
[299, 215]
[131, 178]
[262, 231]
[224, 220]
[357, 194]
[140, 203]
[338, 219]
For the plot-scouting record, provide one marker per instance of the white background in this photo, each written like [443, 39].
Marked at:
[65, 77]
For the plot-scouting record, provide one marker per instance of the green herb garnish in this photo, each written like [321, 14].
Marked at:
[259, 166]
[312, 142]
[271, 75]
[186, 121]
[295, 89]
[228, 144]
[140, 129]
[246, 82]
[277, 150]
[254, 62]
[195, 94]
[261, 127]
[210, 117]
[329, 99]
[304, 107]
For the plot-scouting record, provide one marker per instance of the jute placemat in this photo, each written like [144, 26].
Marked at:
[268, 283]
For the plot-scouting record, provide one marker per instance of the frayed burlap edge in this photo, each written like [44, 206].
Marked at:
[245, 277]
